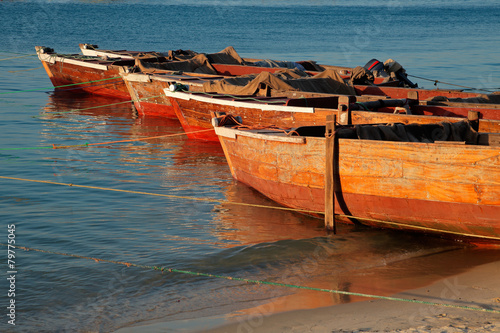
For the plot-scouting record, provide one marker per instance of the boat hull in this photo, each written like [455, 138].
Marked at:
[148, 96]
[69, 74]
[423, 94]
[195, 111]
[448, 189]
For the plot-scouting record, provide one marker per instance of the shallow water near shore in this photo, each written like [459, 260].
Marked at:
[197, 227]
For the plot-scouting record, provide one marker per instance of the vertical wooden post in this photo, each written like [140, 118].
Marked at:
[330, 174]
[473, 117]
[413, 94]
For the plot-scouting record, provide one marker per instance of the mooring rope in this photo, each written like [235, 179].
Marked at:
[277, 284]
[102, 106]
[160, 195]
[53, 146]
[450, 84]
[90, 85]
[25, 70]
[66, 85]
[298, 210]
[23, 56]
[92, 107]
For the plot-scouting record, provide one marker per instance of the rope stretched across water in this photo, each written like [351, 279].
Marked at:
[17, 57]
[53, 146]
[449, 84]
[103, 106]
[66, 85]
[277, 284]
[298, 210]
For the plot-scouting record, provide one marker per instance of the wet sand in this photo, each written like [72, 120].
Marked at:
[478, 288]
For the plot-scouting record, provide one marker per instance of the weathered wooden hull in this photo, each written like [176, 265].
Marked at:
[148, 96]
[194, 111]
[195, 114]
[423, 94]
[448, 189]
[104, 80]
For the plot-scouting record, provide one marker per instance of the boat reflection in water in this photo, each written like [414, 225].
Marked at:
[291, 248]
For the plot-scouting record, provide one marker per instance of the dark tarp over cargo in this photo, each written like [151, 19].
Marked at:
[328, 81]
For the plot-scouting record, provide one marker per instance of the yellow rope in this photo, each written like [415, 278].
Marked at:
[25, 70]
[154, 194]
[415, 227]
[102, 106]
[89, 108]
[395, 224]
[53, 146]
[23, 56]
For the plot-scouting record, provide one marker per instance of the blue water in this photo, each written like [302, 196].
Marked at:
[455, 42]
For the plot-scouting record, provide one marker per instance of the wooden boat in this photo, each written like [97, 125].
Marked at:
[389, 90]
[103, 69]
[92, 50]
[68, 72]
[236, 66]
[447, 188]
[146, 90]
[195, 110]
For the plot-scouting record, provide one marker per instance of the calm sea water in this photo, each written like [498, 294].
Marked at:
[451, 41]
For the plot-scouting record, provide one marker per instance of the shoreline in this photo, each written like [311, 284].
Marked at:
[478, 288]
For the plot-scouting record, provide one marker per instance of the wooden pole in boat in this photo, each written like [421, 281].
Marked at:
[473, 117]
[330, 174]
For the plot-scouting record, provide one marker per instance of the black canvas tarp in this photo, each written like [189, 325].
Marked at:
[198, 64]
[493, 98]
[461, 131]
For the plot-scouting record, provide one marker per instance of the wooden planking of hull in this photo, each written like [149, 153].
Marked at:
[424, 94]
[148, 96]
[195, 110]
[449, 189]
[73, 70]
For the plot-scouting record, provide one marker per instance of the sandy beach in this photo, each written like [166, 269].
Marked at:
[478, 288]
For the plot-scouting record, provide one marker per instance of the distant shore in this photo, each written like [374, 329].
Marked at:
[478, 288]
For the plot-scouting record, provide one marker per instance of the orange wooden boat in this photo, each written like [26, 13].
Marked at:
[389, 90]
[449, 188]
[146, 89]
[195, 109]
[72, 72]
[229, 66]
[102, 70]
